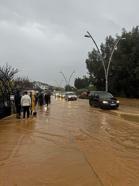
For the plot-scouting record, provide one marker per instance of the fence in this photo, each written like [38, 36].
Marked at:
[5, 106]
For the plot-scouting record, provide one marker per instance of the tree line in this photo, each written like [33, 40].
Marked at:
[9, 84]
[123, 77]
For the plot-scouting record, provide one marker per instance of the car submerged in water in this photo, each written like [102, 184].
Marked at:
[70, 96]
[103, 99]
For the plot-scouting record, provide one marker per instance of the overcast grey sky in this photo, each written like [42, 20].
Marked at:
[43, 37]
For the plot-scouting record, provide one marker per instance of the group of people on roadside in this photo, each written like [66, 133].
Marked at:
[44, 98]
[25, 103]
[28, 103]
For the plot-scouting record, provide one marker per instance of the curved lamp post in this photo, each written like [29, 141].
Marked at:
[67, 81]
[106, 69]
[70, 77]
[65, 78]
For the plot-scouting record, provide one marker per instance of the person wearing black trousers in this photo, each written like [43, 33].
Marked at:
[25, 103]
[17, 100]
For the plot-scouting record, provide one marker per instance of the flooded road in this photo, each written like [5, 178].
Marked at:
[69, 144]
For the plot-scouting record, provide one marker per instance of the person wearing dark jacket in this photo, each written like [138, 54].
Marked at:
[46, 98]
[17, 99]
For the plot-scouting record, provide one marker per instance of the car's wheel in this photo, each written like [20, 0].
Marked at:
[96, 104]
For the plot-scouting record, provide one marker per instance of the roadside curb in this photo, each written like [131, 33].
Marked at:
[126, 115]
[7, 117]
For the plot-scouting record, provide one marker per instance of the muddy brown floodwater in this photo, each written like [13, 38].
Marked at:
[69, 144]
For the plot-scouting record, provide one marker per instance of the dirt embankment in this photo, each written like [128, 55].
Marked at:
[129, 109]
[129, 102]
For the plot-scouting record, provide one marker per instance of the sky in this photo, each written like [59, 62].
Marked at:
[42, 38]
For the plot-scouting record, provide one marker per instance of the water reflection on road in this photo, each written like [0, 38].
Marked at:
[69, 144]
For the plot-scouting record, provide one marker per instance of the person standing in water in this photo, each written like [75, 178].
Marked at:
[25, 103]
[17, 99]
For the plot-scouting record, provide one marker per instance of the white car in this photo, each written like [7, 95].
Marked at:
[70, 96]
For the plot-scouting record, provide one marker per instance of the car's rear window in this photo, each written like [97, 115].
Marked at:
[106, 95]
[102, 94]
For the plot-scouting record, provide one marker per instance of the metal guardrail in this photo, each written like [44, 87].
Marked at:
[5, 109]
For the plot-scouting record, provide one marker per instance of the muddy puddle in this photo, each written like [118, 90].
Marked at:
[69, 144]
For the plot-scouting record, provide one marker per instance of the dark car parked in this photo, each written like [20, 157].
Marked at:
[103, 100]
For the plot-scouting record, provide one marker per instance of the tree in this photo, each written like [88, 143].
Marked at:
[23, 83]
[81, 82]
[124, 68]
[68, 88]
[7, 74]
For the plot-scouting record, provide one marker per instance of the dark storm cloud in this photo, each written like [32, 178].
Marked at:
[44, 37]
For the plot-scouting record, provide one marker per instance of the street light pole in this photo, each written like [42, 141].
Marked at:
[103, 63]
[106, 69]
[110, 59]
[70, 77]
[65, 78]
